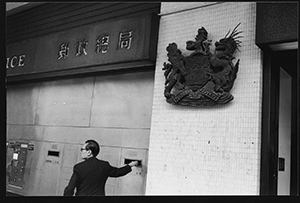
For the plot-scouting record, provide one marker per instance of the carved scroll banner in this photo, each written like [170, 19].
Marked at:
[202, 78]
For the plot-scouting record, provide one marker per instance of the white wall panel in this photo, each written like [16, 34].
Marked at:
[207, 150]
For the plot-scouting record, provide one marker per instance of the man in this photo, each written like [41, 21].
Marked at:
[89, 177]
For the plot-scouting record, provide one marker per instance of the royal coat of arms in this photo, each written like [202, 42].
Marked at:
[202, 78]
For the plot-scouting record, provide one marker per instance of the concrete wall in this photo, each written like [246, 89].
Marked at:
[115, 110]
[212, 150]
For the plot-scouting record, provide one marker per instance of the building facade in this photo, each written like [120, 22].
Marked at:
[87, 72]
[95, 71]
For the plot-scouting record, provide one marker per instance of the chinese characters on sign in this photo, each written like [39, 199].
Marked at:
[63, 51]
[102, 45]
[125, 40]
[81, 46]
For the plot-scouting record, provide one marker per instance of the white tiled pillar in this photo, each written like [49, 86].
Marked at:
[207, 150]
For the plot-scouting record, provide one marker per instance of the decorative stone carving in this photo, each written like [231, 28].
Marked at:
[202, 78]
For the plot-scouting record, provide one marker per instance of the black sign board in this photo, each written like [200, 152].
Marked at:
[100, 46]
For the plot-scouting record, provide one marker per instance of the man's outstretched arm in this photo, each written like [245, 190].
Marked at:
[117, 172]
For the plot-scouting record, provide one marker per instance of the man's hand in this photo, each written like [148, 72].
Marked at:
[133, 163]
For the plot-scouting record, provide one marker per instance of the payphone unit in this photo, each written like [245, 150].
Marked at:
[16, 169]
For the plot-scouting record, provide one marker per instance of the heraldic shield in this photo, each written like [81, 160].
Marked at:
[202, 78]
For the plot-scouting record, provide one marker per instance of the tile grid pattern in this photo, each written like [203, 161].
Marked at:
[211, 150]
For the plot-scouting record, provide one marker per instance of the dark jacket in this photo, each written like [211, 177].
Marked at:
[89, 177]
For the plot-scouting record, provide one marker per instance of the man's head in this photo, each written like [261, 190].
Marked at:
[89, 149]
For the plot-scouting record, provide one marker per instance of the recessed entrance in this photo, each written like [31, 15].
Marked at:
[280, 139]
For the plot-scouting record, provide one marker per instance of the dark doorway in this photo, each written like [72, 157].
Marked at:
[280, 130]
